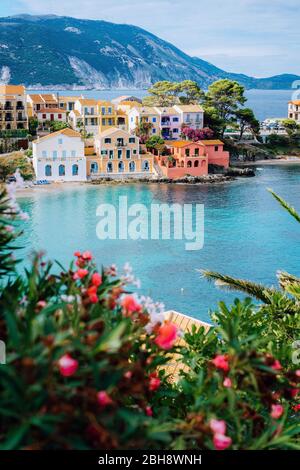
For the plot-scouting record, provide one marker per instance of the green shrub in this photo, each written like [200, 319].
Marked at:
[85, 363]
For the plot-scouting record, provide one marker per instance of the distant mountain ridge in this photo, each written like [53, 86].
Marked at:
[61, 52]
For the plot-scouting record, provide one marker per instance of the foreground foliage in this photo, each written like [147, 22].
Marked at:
[85, 364]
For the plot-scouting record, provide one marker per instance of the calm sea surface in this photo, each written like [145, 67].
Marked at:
[265, 103]
[246, 234]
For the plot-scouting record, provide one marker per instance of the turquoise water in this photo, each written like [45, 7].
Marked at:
[246, 234]
[265, 103]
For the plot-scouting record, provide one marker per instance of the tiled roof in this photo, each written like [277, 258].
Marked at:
[88, 102]
[110, 131]
[297, 102]
[12, 89]
[181, 143]
[166, 110]
[190, 108]
[212, 142]
[68, 132]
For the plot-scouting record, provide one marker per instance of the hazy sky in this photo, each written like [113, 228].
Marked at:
[256, 37]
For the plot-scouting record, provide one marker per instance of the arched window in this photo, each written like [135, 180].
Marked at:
[182, 164]
[146, 165]
[94, 167]
[196, 163]
[189, 164]
[132, 166]
[121, 167]
[61, 170]
[48, 170]
[75, 170]
[109, 167]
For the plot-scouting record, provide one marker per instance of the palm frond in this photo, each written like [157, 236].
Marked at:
[259, 291]
[285, 205]
[286, 279]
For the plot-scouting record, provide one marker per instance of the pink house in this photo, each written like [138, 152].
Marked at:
[184, 158]
[216, 153]
[191, 158]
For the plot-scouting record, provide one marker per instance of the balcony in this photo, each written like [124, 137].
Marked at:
[121, 144]
[8, 107]
[9, 118]
[20, 107]
[21, 119]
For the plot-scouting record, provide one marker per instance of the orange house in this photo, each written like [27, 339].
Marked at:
[184, 158]
[216, 153]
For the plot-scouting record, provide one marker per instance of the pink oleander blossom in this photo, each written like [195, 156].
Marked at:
[103, 398]
[221, 442]
[221, 362]
[80, 274]
[167, 335]
[217, 426]
[67, 365]
[227, 382]
[276, 411]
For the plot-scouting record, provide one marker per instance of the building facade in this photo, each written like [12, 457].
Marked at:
[117, 154]
[294, 110]
[148, 115]
[60, 157]
[13, 111]
[191, 115]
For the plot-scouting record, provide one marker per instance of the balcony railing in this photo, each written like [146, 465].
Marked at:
[8, 118]
[21, 118]
[8, 108]
[19, 106]
[121, 144]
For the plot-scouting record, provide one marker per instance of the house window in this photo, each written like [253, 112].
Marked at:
[59, 116]
[196, 163]
[197, 151]
[109, 167]
[103, 121]
[175, 131]
[175, 119]
[44, 153]
[109, 122]
[92, 111]
[109, 110]
[119, 153]
[131, 166]
[146, 165]
[102, 110]
[107, 141]
[94, 167]
[131, 140]
[75, 170]
[111, 154]
[60, 141]
[64, 154]
[189, 164]
[61, 170]
[128, 153]
[134, 151]
[153, 131]
[154, 119]
[187, 152]
[48, 170]
[54, 153]
[44, 116]
[216, 148]
[121, 167]
[103, 152]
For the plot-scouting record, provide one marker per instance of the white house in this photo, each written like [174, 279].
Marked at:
[60, 156]
[191, 115]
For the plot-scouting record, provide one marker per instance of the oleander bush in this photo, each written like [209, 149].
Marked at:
[86, 363]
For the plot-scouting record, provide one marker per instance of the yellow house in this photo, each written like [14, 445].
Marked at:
[107, 115]
[117, 154]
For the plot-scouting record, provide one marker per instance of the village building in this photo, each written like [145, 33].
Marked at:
[294, 110]
[117, 154]
[59, 156]
[13, 113]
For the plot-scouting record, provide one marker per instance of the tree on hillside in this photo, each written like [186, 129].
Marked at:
[163, 93]
[290, 126]
[246, 120]
[170, 93]
[190, 92]
[224, 97]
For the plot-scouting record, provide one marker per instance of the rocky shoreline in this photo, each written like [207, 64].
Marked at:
[229, 175]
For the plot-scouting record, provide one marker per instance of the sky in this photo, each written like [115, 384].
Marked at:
[256, 37]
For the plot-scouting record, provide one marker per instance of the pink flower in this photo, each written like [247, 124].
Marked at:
[296, 407]
[80, 273]
[217, 426]
[276, 411]
[297, 372]
[149, 411]
[41, 304]
[276, 365]
[154, 382]
[294, 392]
[130, 305]
[167, 335]
[128, 375]
[227, 382]
[221, 442]
[221, 362]
[67, 365]
[96, 279]
[77, 254]
[87, 255]
[103, 398]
